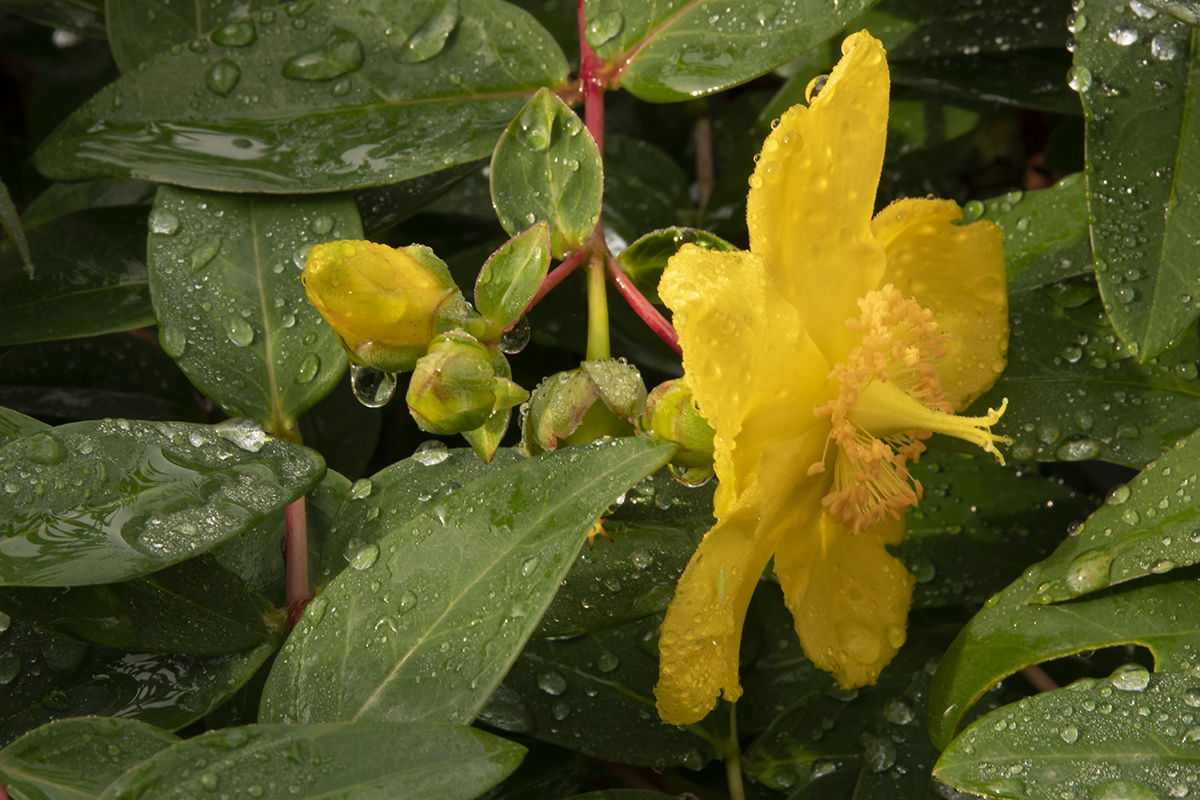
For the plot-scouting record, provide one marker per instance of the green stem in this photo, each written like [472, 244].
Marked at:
[733, 759]
[597, 291]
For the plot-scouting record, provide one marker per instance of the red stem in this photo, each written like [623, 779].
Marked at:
[569, 265]
[641, 306]
[295, 555]
[592, 83]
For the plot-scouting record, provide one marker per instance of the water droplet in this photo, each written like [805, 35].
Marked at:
[361, 488]
[607, 662]
[898, 711]
[406, 602]
[308, 367]
[1163, 48]
[1191, 696]
[1122, 36]
[552, 682]
[431, 452]
[880, 754]
[515, 339]
[604, 27]
[10, 667]
[1186, 370]
[321, 225]
[1131, 516]
[239, 331]
[1143, 11]
[431, 38]
[163, 221]
[535, 126]
[1130, 678]
[45, 449]
[1069, 734]
[172, 339]
[341, 53]
[366, 557]
[529, 566]
[1119, 495]
[1090, 570]
[1126, 294]
[371, 387]
[203, 255]
[1082, 449]
[1079, 78]
[222, 77]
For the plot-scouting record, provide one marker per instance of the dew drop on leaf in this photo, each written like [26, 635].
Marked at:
[239, 331]
[308, 367]
[222, 77]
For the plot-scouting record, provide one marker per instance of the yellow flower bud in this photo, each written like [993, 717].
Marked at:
[385, 304]
[455, 387]
[671, 416]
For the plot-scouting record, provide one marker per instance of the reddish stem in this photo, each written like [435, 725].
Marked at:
[3, 794]
[591, 81]
[641, 306]
[295, 556]
[569, 265]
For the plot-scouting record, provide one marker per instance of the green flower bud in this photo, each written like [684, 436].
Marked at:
[455, 387]
[672, 416]
[601, 398]
[385, 304]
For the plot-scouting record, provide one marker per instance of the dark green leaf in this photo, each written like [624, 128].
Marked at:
[95, 502]
[73, 759]
[383, 206]
[1075, 393]
[371, 95]
[595, 694]
[988, 79]
[1132, 735]
[354, 761]
[441, 606]
[194, 607]
[139, 29]
[512, 275]
[546, 772]
[918, 29]
[546, 167]
[102, 376]
[91, 278]
[11, 223]
[1135, 77]
[685, 48]
[645, 259]
[65, 198]
[14, 425]
[225, 280]
[84, 17]
[644, 189]
[1183, 10]
[622, 794]
[49, 678]
[343, 430]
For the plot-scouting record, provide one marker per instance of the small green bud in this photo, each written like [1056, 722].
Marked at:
[672, 416]
[601, 398]
[384, 304]
[455, 387]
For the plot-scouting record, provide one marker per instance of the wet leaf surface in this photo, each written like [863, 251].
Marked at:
[138, 30]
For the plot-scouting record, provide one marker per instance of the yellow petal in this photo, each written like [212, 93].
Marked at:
[848, 595]
[813, 192]
[957, 272]
[754, 372]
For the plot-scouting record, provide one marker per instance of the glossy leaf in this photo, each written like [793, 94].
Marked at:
[194, 607]
[95, 502]
[1132, 735]
[1183, 10]
[512, 275]
[546, 772]
[14, 425]
[225, 280]
[917, 29]
[987, 78]
[346, 114]
[1134, 76]
[466, 583]
[645, 259]
[1076, 393]
[138, 29]
[595, 694]
[546, 168]
[51, 678]
[91, 278]
[644, 189]
[73, 759]
[348, 760]
[685, 48]
[343, 430]
[64, 198]
[84, 17]
[383, 206]
[11, 223]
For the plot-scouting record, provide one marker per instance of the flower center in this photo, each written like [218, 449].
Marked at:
[889, 399]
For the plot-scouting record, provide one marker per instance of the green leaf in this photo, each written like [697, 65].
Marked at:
[546, 772]
[988, 79]
[595, 694]
[1135, 77]
[225, 280]
[51, 678]
[84, 17]
[14, 425]
[917, 29]
[110, 500]
[11, 223]
[73, 759]
[383, 206]
[511, 277]
[685, 48]
[138, 29]
[65, 198]
[546, 167]
[1183, 10]
[91, 278]
[645, 259]
[347, 760]
[1075, 393]
[194, 607]
[223, 119]
[644, 189]
[1132, 735]
[438, 609]
[342, 429]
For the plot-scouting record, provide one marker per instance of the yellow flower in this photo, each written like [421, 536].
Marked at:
[821, 358]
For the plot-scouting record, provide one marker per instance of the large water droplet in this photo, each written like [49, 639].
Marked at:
[529, 565]
[239, 331]
[203, 255]
[515, 339]
[552, 682]
[1163, 48]
[172, 339]
[243, 432]
[879, 753]
[308, 368]
[535, 125]
[898, 711]
[236, 34]
[45, 449]
[361, 488]
[163, 221]
[431, 452]
[1083, 449]
[1090, 570]
[222, 77]
[371, 387]
[604, 27]
[1079, 78]
[406, 602]
[431, 38]
[341, 53]
[366, 557]
[1122, 36]
[1069, 734]
[607, 662]
[321, 225]
[1119, 495]
[1130, 678]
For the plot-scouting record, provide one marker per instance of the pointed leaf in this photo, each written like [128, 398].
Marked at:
[11, 223]
[110, 500]
[438, 610]
[645, 259]
[917, 29]
[138, 29]
[512, 275]
[73, 759]
[369, 95]
[1135, 77]
[225, 280]
[14, 425]
[546, 167]
[64, 198]
[91, 278]
[353, 761]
